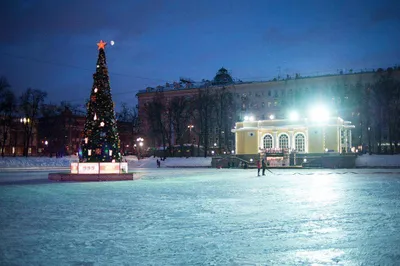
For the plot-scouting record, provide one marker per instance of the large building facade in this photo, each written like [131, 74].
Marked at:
[275, 99]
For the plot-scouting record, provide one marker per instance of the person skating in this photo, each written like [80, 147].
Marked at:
[264, 165]
[258, 167]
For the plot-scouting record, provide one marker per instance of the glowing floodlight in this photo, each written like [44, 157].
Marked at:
[246, 118]
[251, 118]
[272, 117]
[319, 114]
[294, 116]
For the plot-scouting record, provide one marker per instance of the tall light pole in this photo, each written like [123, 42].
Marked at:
[25, 121]
[190, 132]
[140, 140]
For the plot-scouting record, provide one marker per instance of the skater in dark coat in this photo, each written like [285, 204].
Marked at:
[258, 167]
[264, 166]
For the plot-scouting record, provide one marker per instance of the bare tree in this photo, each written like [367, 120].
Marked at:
[386, 91]
[224, 115]
[31, 101]
[7, 110]
[155, 116]
[180, 117]
[129, 115]
[203, 105]
[3, 84]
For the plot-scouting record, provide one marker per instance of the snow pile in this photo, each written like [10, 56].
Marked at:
[133, 162]
[151, 162]
[376, 160]
[36, 162]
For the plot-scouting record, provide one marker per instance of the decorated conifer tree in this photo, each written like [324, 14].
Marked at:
[100, 137]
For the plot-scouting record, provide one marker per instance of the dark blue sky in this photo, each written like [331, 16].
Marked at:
[51, 44]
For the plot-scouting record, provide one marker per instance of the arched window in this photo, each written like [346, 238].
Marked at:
[299, 142]
[283, 141]
[267, 142]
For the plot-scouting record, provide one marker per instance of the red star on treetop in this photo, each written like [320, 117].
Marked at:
[101, 44]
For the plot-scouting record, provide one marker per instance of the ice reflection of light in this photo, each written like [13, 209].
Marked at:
[317, 257]
[321, 189]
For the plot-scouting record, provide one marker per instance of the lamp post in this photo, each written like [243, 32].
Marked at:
[46, 143]
[25, 121]
[190, 139]
[369, 140]
[190, 132]
[140, 140]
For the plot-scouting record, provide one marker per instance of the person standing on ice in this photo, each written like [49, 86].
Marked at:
[258, 167]
[264, 165]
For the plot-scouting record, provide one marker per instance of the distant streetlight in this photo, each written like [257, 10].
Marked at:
[25, 121]
[190, 132]
[140, 140]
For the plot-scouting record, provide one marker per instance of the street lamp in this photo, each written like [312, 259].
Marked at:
[140, 140]
[25, 121]
[190, 132]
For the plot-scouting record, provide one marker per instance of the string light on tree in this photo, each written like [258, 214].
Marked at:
[100, 132]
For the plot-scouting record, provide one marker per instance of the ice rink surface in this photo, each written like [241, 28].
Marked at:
[203, 217]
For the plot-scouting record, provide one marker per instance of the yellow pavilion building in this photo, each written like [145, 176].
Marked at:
[302, 136]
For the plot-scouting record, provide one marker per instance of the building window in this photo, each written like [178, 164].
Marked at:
[267, 142]
[283, 141]
[299, 142]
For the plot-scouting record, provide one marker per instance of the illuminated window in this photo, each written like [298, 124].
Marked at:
[267, 142]
[299, 142]
[283, 141]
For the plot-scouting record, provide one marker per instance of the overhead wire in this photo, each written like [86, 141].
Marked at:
[76, 67]
[81, 68]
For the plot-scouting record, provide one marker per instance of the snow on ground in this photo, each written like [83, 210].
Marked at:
[46, 162]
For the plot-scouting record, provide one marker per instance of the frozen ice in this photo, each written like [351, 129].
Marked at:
[203, 216]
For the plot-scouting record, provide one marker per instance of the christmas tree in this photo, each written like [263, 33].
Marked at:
[100, 136]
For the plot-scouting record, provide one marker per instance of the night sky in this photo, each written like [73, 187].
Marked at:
[51, 44]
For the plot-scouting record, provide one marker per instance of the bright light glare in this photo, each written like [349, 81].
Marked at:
[272, 117]
[294, 116]
[319, 114]
[246, 118]
[251, 118]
